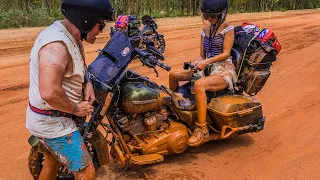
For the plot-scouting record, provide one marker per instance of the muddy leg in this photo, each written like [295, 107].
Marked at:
[210, 83]
[180, 75]
[87, 173]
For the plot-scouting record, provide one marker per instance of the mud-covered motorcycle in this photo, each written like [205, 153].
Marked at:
[146, 120]
[148, 36]
[150, 33]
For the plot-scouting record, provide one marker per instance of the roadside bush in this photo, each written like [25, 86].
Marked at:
[15, 18]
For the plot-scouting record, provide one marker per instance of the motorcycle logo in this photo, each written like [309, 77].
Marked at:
[125, 51]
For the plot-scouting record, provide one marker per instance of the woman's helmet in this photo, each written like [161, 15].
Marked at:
[85, 14]
[215, 8]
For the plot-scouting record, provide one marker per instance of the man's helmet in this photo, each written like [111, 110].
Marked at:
[85, 14]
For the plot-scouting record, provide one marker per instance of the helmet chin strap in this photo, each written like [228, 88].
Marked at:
[83, 36]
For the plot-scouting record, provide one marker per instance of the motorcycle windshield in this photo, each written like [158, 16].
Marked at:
[111, 63]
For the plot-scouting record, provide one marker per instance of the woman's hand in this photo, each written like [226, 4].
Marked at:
[201, 65]
[198, 60]
[196, 63]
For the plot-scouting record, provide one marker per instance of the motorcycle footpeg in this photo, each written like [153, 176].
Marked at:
[146, 159]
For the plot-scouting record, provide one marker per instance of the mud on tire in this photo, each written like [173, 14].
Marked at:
[34, 167]
[35, 163]
[162, 44]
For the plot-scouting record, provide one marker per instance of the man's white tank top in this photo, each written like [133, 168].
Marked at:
[47, 126]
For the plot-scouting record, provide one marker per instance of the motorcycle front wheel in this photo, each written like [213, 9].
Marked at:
[35, 163]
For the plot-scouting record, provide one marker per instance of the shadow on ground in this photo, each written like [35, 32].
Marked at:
[179, 161]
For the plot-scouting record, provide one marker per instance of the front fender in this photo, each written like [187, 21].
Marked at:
[33, 141]
[101, 147]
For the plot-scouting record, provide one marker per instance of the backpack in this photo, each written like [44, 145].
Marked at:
[266, 35]
[257, 55]
[128, 22]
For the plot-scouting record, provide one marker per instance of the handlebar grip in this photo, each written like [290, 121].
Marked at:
[163, 66]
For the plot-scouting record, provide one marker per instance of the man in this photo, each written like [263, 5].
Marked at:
[57, 79]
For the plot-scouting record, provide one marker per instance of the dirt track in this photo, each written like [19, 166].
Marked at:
[288, 148]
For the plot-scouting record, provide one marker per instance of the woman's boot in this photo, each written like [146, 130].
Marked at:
[199, 134]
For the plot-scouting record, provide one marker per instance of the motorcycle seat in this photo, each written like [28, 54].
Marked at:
[184, 100]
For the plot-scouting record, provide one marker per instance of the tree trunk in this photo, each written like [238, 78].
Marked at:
[131, 6]
[182, 7]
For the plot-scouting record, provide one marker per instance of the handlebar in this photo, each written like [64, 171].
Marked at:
[188, 65]
[150, 60]
[159, 63]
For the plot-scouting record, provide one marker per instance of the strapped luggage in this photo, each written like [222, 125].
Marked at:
[128, 22]
[257, 56]
[266, 35]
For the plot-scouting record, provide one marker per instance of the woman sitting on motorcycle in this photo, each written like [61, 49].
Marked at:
[216, 43]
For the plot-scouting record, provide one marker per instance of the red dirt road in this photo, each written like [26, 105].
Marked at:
[288, 147]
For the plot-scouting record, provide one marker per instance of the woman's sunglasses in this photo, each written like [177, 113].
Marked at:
[206, 16]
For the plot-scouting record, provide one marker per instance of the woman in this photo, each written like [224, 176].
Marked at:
[216, 43]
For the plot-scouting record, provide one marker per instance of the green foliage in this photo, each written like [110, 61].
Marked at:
[15, 18]
[27, 13]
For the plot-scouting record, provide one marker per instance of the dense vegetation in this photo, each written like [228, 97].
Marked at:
[19, 13]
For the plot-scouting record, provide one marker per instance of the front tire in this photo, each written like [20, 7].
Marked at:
[161, 44]
[34, 167]
[36, 158]
[35, 163]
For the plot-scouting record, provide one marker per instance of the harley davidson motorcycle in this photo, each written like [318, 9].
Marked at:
[144, 38]
[150, 33]
[145, 119]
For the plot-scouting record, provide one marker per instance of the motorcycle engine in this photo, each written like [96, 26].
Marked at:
[153, 132]
[138, 123]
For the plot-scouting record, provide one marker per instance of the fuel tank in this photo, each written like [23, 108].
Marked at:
[139, 98]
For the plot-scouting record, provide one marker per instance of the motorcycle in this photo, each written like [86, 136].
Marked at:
[145, 120]
[144, 38]
[149, 31]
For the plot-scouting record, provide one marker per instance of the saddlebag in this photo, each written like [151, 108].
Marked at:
[110, 65]
[235, 111]
[256, 80]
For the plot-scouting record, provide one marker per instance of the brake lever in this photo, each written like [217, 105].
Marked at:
[147, 63]
[155, 70]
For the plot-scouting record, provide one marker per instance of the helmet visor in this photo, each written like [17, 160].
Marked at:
[206, 16]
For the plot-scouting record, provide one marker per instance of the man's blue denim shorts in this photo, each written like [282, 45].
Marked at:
[69, 150]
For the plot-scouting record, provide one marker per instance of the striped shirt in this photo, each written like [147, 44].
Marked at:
[213, 46]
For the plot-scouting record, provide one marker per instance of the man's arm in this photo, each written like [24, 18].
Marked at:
[53, 61]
